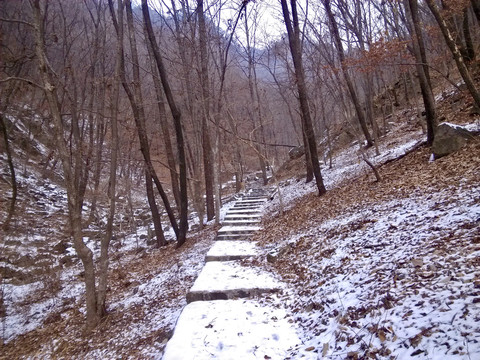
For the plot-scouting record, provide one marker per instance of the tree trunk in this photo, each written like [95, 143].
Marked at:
[295, 48]
[206, 142]
[254, 111]
[351, 89]
[476, 9]
[177, 119]
[308, 158]
[11, 208]
[139, 117]
[141, 127]
[74, 208]
[469, 47]
[172, 167]
[105, 241]
[157, 223]
[462, 68]
[411, 8]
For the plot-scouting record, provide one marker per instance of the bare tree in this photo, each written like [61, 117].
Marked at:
[418, 45]
[177, 119]
[341, 55]
[455, 50]
[71, 167]
[293, 31]
[208, 159]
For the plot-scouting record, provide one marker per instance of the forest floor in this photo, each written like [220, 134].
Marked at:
[381, 270]
[389, 269]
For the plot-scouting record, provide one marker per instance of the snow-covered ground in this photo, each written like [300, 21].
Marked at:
[389, 270]
[246, 330]
[394, 277]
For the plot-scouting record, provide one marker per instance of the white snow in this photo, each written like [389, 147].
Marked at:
[395, 254]
[226, 229]
[245, 330]
[231, 275]
[233, 248]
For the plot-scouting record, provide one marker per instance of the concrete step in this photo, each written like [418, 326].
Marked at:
[233, 237]
[237, 230]
[223, 280]
[240, 216]
[255, 219]
[233, 211]
[233, 329]
[240, 222]
[231, 250]
[253, 200]
[244, 207]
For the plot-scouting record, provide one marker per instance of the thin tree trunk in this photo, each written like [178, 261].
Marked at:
[206, 142]
[469, 47]
[351, 89]
[105, 241]
[141, 125]
[462, 68]
[411, 7]
[172, 167]
[11, 167]
[308, 158]
[157, 223]
[294, 41]
[254, 112]
[139, 117]
[74, 203]
[177, 119]
[476, 9]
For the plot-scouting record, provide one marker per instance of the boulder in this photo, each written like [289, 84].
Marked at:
[296, 152]
[450, 138]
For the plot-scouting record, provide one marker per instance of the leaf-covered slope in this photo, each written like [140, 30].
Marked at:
[390, 269]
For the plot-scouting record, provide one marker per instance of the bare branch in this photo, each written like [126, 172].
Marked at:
[15, 78]
[17, 21]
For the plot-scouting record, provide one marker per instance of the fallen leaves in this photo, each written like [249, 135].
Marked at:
[394, 255]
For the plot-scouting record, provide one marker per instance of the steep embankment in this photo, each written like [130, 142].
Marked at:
[389, 269]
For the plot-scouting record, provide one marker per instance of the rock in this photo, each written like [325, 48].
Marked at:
[296, 152]
[449, 138]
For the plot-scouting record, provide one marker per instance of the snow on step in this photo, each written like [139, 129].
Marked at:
[229, 222]
[222, 280]
[231, 329]
[235, 237]
[251, 201]
[242, 216]
[250, 219]
[238, 229]
[244, 207]
[243, 211]
[231, 250]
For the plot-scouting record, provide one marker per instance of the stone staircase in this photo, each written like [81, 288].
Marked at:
[225, 317]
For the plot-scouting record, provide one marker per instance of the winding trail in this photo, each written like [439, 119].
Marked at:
[225, 317]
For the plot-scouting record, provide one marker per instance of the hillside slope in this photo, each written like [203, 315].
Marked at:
[379, 270]
[389, 269]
